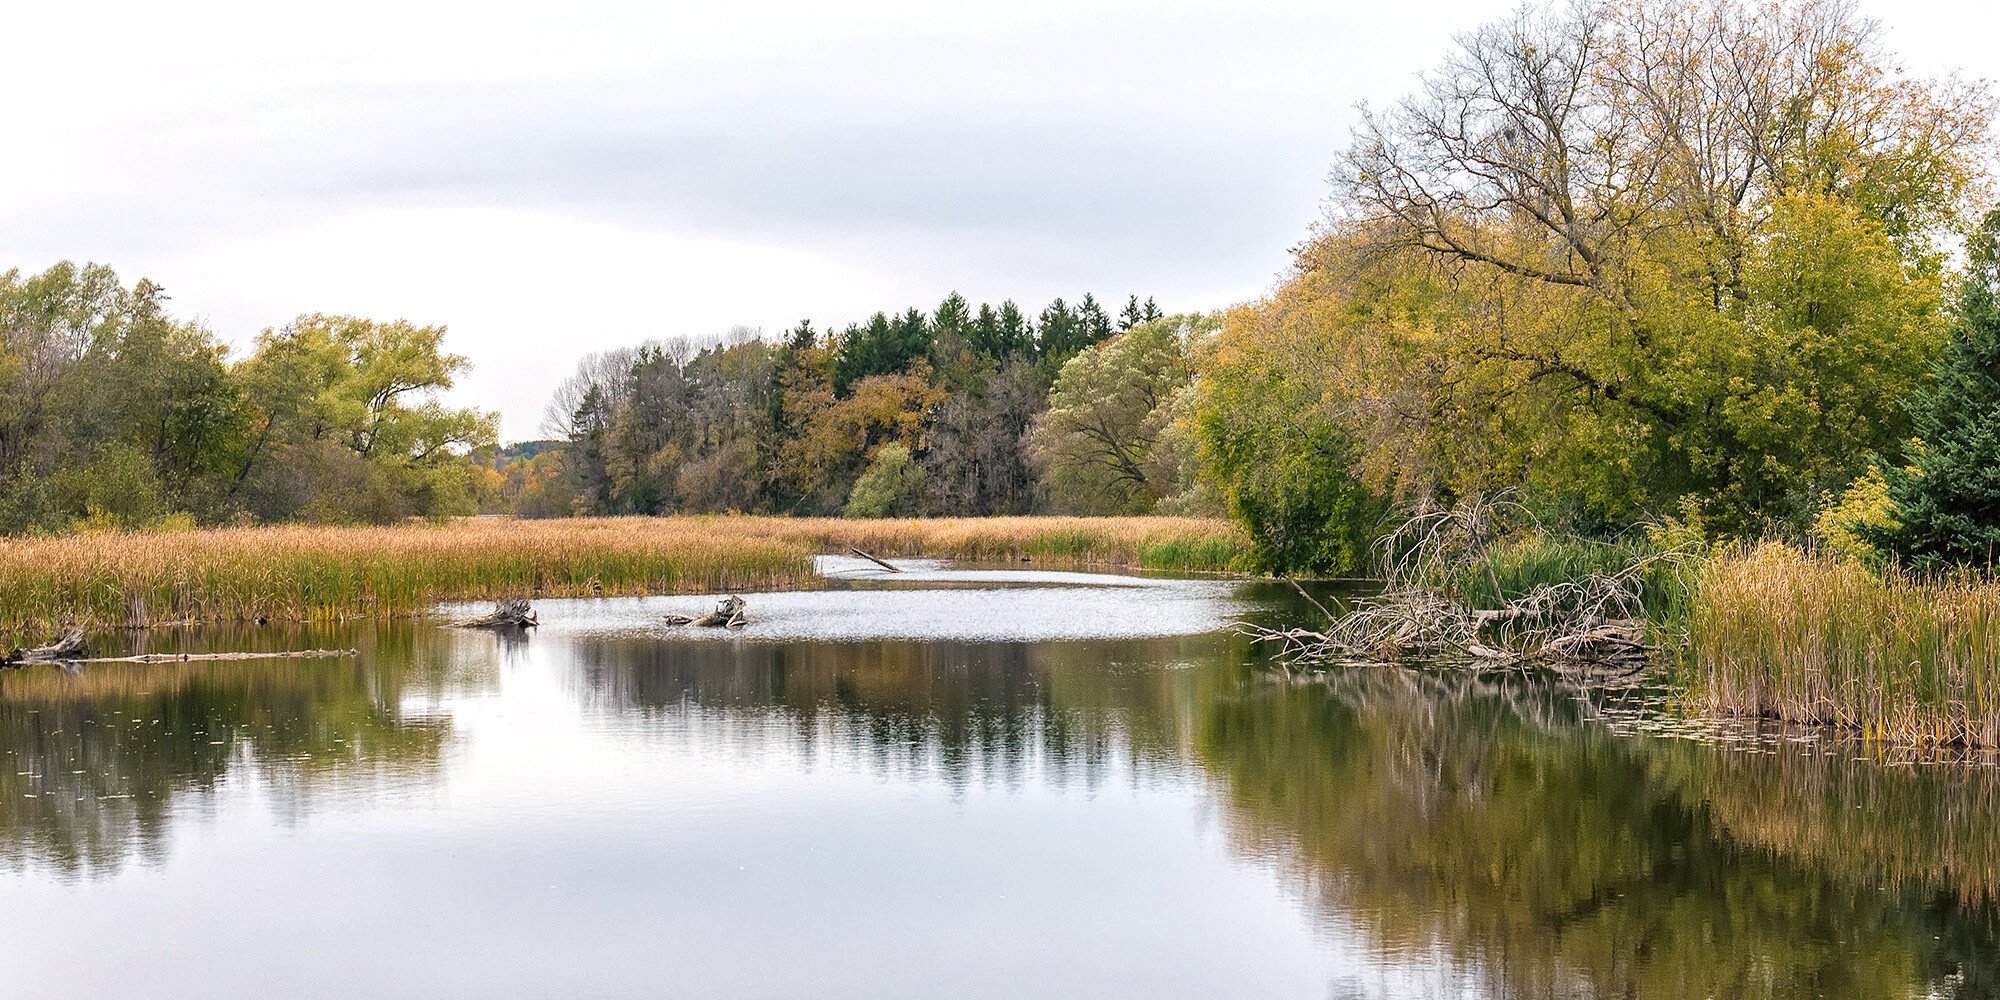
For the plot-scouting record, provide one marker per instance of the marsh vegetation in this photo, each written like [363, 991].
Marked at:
[300, 573]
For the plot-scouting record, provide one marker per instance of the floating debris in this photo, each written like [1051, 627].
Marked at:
[727, 614]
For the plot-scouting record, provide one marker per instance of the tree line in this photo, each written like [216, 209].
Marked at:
[950, 411]
[114, 414]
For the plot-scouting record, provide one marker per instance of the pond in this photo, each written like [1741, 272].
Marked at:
[946, 783]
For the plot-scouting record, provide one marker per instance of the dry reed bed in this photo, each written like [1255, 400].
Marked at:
[1778, 634]
[1186, 544]
[331, 573]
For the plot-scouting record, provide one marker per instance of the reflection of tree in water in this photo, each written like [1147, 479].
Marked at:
[976, 713]
[1442, 816]
[99, 762]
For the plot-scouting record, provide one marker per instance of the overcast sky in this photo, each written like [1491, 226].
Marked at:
[552, 179]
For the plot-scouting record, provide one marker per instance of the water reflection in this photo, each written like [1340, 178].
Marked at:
[101, 759]
[520, 815]
[973, 713]
[1479, 824]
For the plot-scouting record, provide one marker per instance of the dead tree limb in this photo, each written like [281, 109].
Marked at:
[727, 614]
[512, 613]
[878, 562]
[69, 647]
[298, 654]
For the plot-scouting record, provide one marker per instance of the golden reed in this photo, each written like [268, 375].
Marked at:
[1777, 633]
[324, 573]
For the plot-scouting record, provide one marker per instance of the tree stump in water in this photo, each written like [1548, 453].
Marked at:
[505, 614]
[69, 647]
[727, 614]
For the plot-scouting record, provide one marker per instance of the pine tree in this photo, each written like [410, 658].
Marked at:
[953, 314]
[1152, 311]
[1096, 322]
[913, 340]
[986, 334]
[1948, 500]
[803, 336]
[1131, 315]
[1017, 336]
[1056, 335]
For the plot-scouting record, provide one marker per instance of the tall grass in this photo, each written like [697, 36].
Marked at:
[327, 573]
[1806, 638]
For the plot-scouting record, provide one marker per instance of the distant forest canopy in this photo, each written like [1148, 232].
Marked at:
[940, 411]
[1718, 270]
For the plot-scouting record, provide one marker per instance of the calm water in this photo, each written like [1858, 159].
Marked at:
[944, 784]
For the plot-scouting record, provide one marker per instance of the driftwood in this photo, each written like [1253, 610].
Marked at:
[1595, 626]
[727, 614]
[878, 562]
[513, 613]
[205, 657]
[69, 647]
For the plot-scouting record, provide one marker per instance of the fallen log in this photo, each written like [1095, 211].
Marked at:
[727, 614]
[879, 562]
[69, 647]
[205, 657]
[512, 613]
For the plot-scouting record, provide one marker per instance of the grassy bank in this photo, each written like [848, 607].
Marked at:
[1779, 634]
[322, 573]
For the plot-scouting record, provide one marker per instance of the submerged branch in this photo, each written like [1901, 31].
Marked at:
[1595, 624]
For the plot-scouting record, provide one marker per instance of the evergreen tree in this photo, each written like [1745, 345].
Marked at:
[1095, 321]
[1152, 311]
[1017, 336]
[1058, 335]
[953, 314]
[912, 340]
[1132, 315]
[803, 336]
[985, 334]
[1948, 500]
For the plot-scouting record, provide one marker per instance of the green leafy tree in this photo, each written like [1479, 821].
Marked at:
[349, 426]
[1108, 406]
[110, 410]
[893, 486]
[1271, 421]
[1687, 256]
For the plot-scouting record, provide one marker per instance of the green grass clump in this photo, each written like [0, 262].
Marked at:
[1506, 572]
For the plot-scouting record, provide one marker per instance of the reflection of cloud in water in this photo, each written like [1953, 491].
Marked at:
[954, 605]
